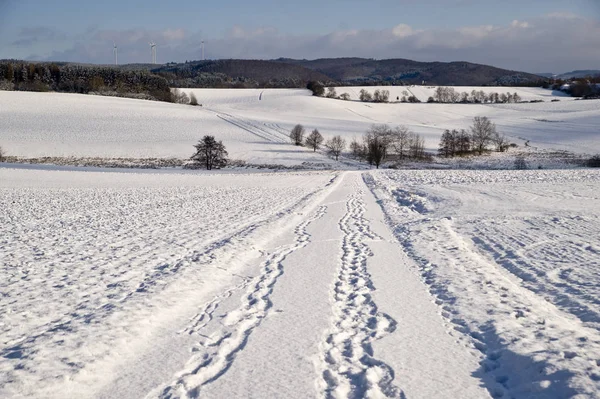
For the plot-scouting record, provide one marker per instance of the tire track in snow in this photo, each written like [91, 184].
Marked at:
[220, 350]
[349, 368]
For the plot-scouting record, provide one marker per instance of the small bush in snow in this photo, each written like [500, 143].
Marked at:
[520, 163]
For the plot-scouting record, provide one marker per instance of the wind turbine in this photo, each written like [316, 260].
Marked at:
[153, 51]
[202, 50]
[116, 52]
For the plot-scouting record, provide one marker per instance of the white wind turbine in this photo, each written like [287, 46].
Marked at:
[202, 50]
[116, 53]
[153, 51]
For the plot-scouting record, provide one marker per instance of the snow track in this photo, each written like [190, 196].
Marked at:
[350, 369]
[219, 350]
[490, 275]
[263, 131]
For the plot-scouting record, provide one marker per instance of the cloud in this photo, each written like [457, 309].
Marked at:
[554, 42]
[33, 35]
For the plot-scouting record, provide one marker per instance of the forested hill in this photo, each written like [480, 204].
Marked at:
[153, 82]
[239, 73]
[401, 71]
[83, 78]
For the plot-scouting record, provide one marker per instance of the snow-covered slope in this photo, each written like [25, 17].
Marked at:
[397, 284]
[254, 124]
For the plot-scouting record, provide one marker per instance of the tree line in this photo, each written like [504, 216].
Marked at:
[71, 78]
[449, 95]
[481, 135]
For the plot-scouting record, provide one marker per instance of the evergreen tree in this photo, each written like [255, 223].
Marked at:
[210, 153]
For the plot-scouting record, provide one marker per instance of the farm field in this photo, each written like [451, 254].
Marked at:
[401, 284]
[254, 124]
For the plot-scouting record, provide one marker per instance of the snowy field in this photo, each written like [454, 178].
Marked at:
[400, 284]
[254, 124]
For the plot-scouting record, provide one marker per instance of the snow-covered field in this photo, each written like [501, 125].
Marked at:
[402, 284]
[254, 124]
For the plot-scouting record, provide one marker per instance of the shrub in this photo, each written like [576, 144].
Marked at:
[297, 135]
[520, 163]
[193, 99]
[2, 155]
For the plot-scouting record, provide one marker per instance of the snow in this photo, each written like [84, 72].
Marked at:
[335, 284]
[254, 124]
[415, 284]
[512, 260]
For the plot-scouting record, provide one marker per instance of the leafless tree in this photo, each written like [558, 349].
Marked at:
[417, 146]
[501, 142]
[336, 145]
[314, 140]
[331, 93]
[297, 135]
[400, 140]
[345, 96]
[483, 132]
[180, 97]
[365, 96]
[2, 155]
[193, 99]
[358, 149]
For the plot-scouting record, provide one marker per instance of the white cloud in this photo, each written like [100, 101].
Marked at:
[402, 31]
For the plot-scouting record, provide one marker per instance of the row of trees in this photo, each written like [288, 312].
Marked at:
[71, 78]
[382, 142]
[479, 138]
[449, 95]
[335, 145]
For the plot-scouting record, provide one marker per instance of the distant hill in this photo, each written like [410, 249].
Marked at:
[370, 71]
[579, 74]
[239, 73]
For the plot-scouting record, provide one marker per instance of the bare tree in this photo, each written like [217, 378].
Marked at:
[2, 155]
[297, 135]
[331, 93]
[210, 153]
[463, 142]
[193, 99]
[358, 149]
[336, 145]
[314, 140]
[385, 137]
[365, 96]
[483, 132]
[501, 142]
[345, 96]
[417, 146]
[375, 151]
[400, 140]
[180, 97]
[447, 147]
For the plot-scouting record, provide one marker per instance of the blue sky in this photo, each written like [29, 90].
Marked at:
[492, 32]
